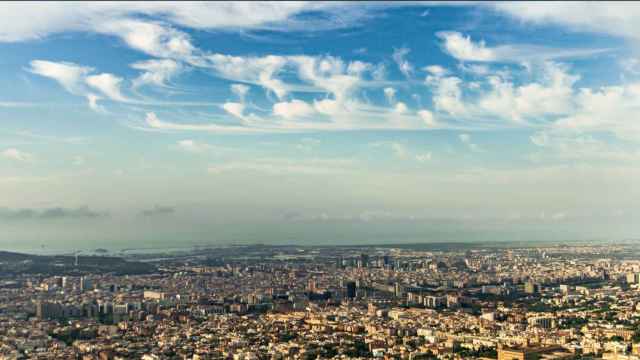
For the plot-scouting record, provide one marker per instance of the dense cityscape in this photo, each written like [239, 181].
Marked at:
[298, 180]
[423, 301]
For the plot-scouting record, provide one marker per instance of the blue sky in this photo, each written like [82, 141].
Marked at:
[193, 123]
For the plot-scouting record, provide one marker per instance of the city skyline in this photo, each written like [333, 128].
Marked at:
[144, 124]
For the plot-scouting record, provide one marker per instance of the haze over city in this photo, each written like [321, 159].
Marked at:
[143, 125]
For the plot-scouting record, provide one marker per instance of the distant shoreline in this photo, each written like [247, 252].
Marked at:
[439, 245]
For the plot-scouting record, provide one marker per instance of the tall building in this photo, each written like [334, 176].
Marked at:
[121, 309]
[398, 290]
[386, 260]
[48, 310]
[350, 289]
[85, 284]
[363, 261]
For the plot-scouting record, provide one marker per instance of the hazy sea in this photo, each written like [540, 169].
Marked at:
[301, 233]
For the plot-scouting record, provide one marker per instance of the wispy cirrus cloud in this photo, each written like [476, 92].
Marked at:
[400, 58]
[463, 48]
[198, 147]
[69, 75]
[284, 166]
[51, 18]
[78, 80]
[158, 72]
[332, 86]
[17, 104]
[621, 19]
[401, 151]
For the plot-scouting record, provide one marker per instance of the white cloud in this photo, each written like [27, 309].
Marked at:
[331, 76]
[436, 70]
[17, 155]
[424, 157]
[328, 74]
[631, 65]
[50, 18]
[500, 101]
[108, 84]
[494, 99]
[156, 72]
[561, 145]
[76, 79]
[358, 68]
[464, 48]
[293, 109]
[193, 146]
[612, 109]
[447, 95]
[339, 80]
[616, 18]
[553, 96]
[476, 69]
[401, 108]
[152, 121]
[240, 90]
[325, 74]
[69, 75]
[402, 151]
[92, 100]
[405, 67]
[491, 98]
[254, 70]
[390, 94]
[149, 37]
[235, 109]
[428, 118]
[327, 107]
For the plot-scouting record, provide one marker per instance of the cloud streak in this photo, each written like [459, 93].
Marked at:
[463, 48]
[54, 213]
